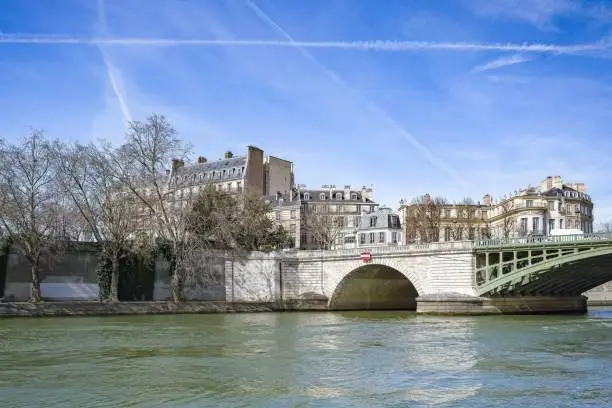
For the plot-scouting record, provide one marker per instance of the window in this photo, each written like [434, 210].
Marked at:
[371, 237]
[484, 233]
[356, 222]
[322, 196]
[306, 196]
[529, 203]
[483, 214]
[551, 206]
[340, 221]
[292, 214]
[372, 221]
[560, 224]
[350, 239]
[471, 233]
[338, 196]
[551, 225]
[353, 196]
[447, 234]
[535, 224]
[394, 237]
[278, 215]
[381, 237]
[523, 229]
[362, 239]
[292, 228]
[238, 186]
[447, 213]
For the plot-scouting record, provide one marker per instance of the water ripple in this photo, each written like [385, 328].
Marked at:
[315, 360]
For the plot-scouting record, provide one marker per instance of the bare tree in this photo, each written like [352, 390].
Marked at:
[89, 179]
[142, 167]
[604, 227]
[508, 220]
[29, 208]
[323, 228]
[466, 220]
[256, 231]
[423, 218]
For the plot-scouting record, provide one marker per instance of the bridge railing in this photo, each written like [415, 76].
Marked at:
[543, 240]
[432, 246]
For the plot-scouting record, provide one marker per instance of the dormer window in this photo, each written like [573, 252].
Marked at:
[306, 196]
[322, 196]
[338, 196]
[353, 196]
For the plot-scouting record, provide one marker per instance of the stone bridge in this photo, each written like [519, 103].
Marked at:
[536, 275]
[495, 276]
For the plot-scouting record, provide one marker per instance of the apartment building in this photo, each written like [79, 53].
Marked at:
[432, 220]
[253, 174]
[552, 205]
[378, 228]
[320, 218]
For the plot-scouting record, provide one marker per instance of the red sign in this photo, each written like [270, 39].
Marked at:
[366, 256]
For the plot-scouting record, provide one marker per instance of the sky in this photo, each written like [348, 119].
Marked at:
[453, 98]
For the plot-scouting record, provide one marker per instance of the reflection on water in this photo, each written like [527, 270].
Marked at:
[350, 359]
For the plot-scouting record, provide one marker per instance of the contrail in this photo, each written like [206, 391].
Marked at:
[114, 74]
[502, 62]
[421, 148]
[374, 45]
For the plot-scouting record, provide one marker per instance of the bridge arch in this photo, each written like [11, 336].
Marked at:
[376, 286]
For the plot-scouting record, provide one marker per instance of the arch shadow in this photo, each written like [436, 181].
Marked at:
[374, 287]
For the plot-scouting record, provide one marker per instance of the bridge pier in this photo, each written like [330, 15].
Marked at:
[458, 304]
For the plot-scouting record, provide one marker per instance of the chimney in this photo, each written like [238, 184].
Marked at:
[363, 193]
[426, 199]
[347, 192]
[229, 154]
[487, 199]
[202, 160]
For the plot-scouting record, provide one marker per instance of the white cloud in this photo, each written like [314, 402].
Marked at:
[541, 13]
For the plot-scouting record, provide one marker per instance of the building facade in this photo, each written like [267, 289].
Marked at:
[534, 211]
[378, 228]
[320, 219]
[253, 174]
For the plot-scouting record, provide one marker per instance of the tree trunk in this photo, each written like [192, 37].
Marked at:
[35, 284]
[113, 295]
[176, 285]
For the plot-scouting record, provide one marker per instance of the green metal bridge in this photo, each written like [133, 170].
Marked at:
[566, 265]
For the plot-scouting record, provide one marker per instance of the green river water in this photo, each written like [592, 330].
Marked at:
[361, 359]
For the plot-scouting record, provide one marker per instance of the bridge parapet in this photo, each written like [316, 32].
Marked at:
[542, 241]
[389, 250]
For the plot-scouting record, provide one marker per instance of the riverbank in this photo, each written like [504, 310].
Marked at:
[93, 308]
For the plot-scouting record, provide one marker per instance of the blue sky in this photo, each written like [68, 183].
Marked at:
[455, 98]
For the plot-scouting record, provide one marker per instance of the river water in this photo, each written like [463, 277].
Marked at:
[365, 359]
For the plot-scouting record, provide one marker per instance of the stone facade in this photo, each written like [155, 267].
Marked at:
[553, 205]
[321, 218]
